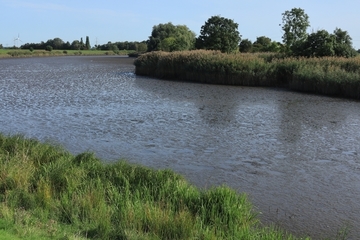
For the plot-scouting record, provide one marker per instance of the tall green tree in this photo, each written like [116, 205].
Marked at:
[343, 44]
[87, 43]
[168, 37]
[318, 44]
[294, 24]
[82, 45]
[219, 33]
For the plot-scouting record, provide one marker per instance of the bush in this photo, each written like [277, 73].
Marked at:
[49, 48]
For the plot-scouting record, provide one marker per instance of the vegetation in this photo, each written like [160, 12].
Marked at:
[45, 192]
[42, 53]
[295, 24]
[168, 37]
[316, 44]
[59, 44]
[219, 33]
[331, 76]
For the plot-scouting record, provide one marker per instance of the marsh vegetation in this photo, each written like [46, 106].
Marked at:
[45, 192]
[336, 76]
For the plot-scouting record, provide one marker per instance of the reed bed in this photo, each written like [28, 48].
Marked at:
[47, 193]
[331, 76]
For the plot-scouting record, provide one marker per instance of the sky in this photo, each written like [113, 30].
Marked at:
[33, 21]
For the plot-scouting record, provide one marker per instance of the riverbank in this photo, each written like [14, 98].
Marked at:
[45, 192]
[329, 76]
[8, 53]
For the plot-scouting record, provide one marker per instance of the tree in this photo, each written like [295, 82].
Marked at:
[141, 47]
[295, 23]
[168, 37]
[343, 44]
[75, 45]
[82, 45]
[262, 44]
[57, 43]
[245, 46]
[219, 33]
[322, 43]
[318, 44]
[49, 48]
[1, 46]
[87, 43]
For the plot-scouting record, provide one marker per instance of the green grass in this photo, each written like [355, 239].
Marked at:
[5, 53]
[47, 193]
[333, 76]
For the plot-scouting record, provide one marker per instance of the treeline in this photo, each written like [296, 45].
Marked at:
[59, 44]
[219, 33]
[117, 46]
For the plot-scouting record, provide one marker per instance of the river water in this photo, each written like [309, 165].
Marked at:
[296, 155]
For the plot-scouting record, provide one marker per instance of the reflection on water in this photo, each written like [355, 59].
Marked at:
[296, 155]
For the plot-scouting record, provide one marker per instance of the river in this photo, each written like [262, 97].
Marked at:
[296, 155]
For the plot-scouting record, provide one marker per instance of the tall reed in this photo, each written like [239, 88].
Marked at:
[330, 76]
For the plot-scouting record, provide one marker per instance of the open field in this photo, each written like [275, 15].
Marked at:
[333, 76]
[47, 193]
[4, 53]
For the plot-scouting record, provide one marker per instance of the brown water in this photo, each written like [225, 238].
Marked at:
[296, 155]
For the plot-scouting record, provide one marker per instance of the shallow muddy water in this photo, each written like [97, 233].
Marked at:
[296, 155]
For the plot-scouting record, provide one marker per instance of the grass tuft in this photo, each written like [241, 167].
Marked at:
[47, 193]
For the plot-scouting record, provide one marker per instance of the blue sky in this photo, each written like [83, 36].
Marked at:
[110, 20]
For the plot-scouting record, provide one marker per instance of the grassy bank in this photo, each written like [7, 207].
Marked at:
[45, 193]
[6, 53]
[329, 76]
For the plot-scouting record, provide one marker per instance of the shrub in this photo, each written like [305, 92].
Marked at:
[49, 48]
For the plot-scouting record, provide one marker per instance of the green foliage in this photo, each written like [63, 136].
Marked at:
[264, 44]
[321, 44]
[219, 33]
[318, 44]
[245, 46]
[168, 37]
[330, 76]
[75, 45]
[295, 23]
[55, 195]
[1, 46]
[49, 48]
[87, 43]
[343, 44]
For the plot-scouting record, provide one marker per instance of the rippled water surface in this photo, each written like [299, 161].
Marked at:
[296, 155]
